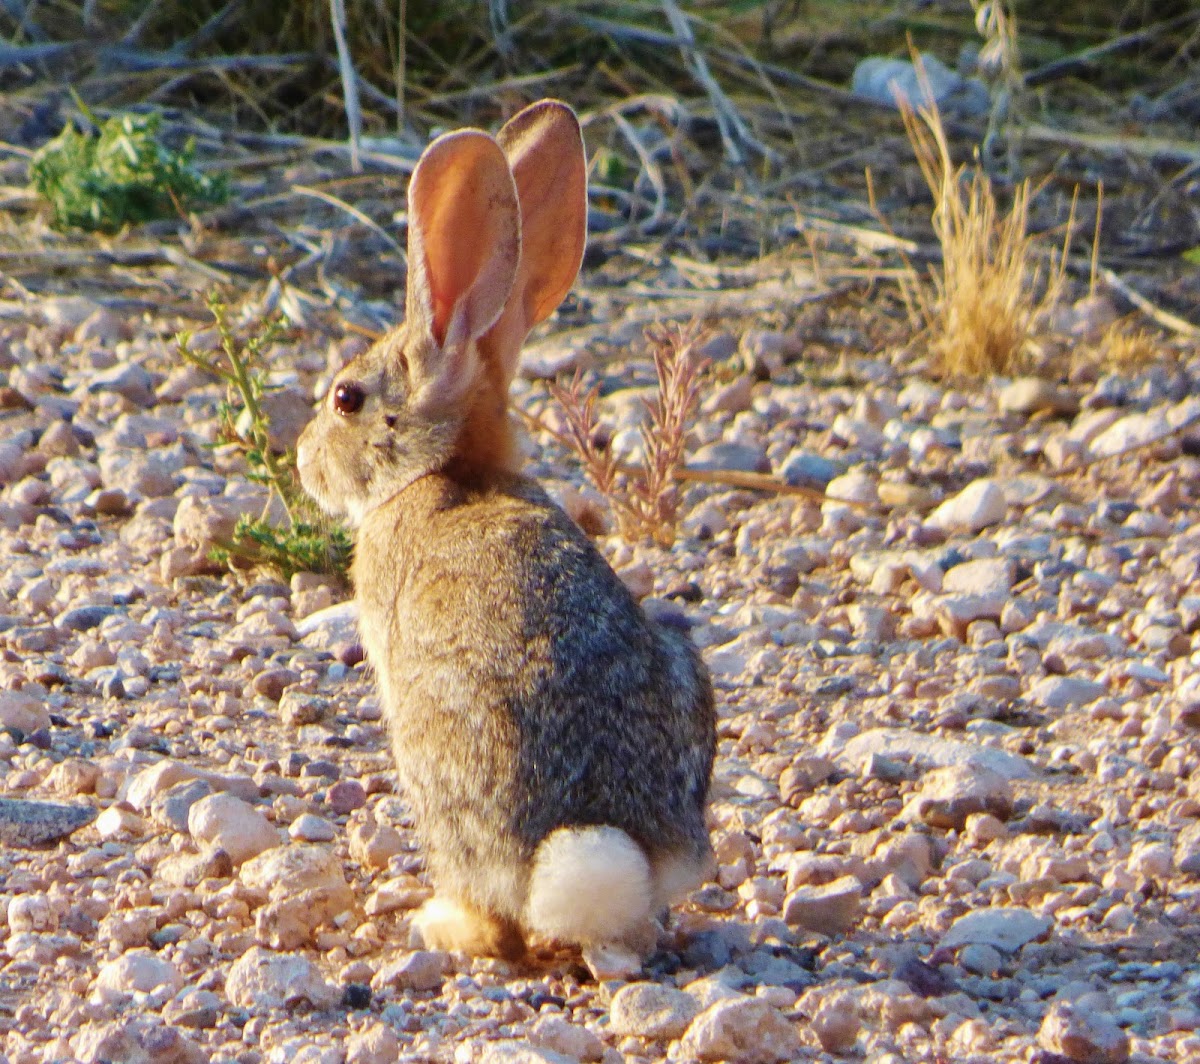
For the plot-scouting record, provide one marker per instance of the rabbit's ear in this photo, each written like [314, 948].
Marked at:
[464, 247]
[544, 146]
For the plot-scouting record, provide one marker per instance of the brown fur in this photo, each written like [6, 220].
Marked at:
[524, 689]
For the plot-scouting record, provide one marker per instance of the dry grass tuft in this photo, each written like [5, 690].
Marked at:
[645, 499]
[989, 295]
[1126, 346]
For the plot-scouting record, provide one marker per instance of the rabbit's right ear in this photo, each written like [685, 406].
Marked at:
[464, 248]
[544, 146]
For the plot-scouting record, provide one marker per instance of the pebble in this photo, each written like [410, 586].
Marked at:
[224, 822]
[311, 828]
[1083, 1035]
[377, 1044]
[741, 1031]
[1005, 929]
[980, 504]
[261, 980]
[27, 823]
[948, 796]
[570, 1039]
[423, 969]
[932, 751]
[138, 971]
[830, 909]
[651, 1010]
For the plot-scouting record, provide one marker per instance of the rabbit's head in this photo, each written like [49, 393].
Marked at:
[496, 231]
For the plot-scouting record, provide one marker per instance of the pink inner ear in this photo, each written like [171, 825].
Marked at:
[443, 307]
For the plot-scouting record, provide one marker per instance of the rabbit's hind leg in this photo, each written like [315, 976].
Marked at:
[449, 924]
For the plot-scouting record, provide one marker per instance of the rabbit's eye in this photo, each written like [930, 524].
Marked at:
[348, 398]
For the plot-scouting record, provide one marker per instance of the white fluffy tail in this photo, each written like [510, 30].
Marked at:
[590, 885]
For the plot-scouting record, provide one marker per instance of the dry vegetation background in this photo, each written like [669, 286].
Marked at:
[725, 145]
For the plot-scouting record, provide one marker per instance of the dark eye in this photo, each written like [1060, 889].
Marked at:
[348, 398]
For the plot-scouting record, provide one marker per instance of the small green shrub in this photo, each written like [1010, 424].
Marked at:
[305, 541]
[119, 175]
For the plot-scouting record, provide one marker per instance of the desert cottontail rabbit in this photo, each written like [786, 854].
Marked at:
[556, 744]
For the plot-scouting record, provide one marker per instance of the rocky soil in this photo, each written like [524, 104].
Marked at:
[954, 805]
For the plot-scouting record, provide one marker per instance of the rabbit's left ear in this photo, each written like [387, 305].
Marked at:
[464, 247]
[544, 146]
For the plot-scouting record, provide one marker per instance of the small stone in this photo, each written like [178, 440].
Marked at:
[271, 683]
[984, 576]
[299, 708]
[510, 1051]
[1005, 929]
[373, 844]
[138, 971]
[423, 969]
[1032, 395]
[311, 828]
[23, 712]
[932, 751]
[345, 796]
[301, 868]
[261, 979]
[27, 823]
[828, 909]
[804, 469]
[377, 1044]
[1083, 1035]
[741, 1031]
[224, 822]
[1063, 692]
[979, 504]
[651, 1010]
[83, 618]
[1131, 432]
[980, 959]
[949, 795]
[116, 822]
[572, 1040]
[724, 456]
[198, 1009]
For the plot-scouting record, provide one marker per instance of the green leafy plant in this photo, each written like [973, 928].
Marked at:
[304, 541]
[118, 175]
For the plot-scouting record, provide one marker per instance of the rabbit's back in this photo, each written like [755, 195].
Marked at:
[525, 688]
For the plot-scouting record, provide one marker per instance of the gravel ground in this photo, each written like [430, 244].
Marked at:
[954, 804]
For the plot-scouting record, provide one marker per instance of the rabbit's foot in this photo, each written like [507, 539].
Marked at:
[445, 923]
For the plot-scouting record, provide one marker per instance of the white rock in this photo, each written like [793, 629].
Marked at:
[979, 504]
[221, 821]
[931, 751]
[377, 1044]
[300, 868]
[422, 969]
[741, 1031]
[1061, 692]
[1133, 430]
[308, 827]
[651, 1010]
[263, 980]
[512, 1051]
[570, 1039]
[983, 576]
[1006, 929]
[138, 971]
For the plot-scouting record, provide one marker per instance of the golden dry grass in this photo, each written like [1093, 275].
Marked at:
[983, 304]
